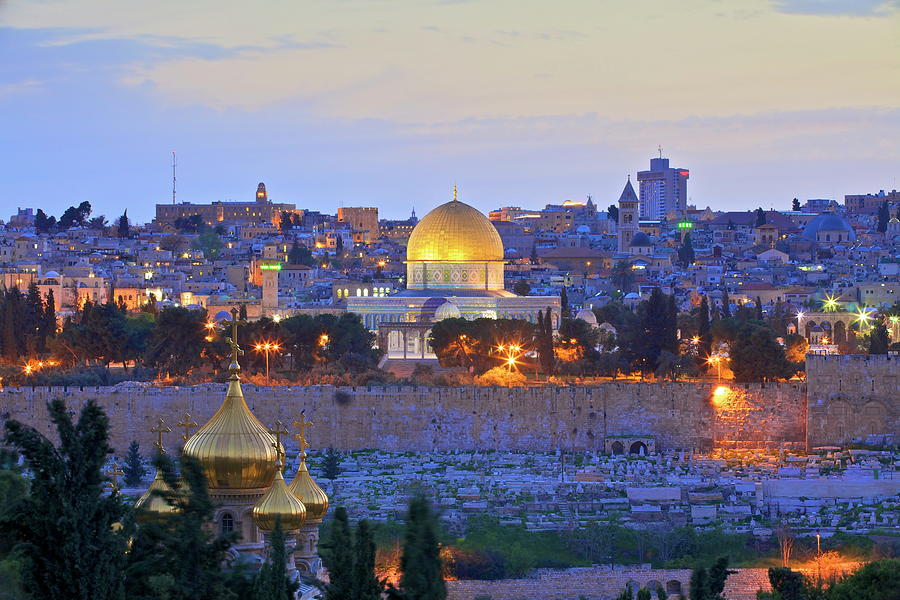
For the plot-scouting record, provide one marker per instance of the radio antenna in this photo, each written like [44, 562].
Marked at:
[174, 163]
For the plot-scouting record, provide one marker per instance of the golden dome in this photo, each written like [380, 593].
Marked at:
[278, 501]
[235, 449]
[151, 502]
[454, 232]
[308, 491]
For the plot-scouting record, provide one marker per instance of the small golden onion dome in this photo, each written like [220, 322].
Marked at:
[278, 501]
[234, 448]
[308, 491]
[454, 232]
[154, 504]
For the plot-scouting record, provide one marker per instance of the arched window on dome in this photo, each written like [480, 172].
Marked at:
[226, 525]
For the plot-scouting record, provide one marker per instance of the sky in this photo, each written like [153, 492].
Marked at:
[390, 103]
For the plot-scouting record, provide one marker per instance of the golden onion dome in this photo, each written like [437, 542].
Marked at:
[234, 448]
[151, 503]
[454, 232]
[278, 501]
[308, 491]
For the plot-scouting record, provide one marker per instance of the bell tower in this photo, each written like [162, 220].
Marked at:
[261, 196]
[628, 216]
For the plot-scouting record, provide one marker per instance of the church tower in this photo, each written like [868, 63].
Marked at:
[629, 205]
[262, 197]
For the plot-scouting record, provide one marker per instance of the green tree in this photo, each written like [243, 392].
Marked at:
[700, 585]
[161, 545]
[564, 303]
[64, 527]
[613, 212]
[622, 276]
[756, 355]
[878, 580]
[272, 582]
[879, 339]
[420, 563]
[209, 243]
[177, 340]
[300, 255]
[521, 288]
[366, 586]
[123, 230]
[134, 467]
[704, 348]
[718, 573]
[644, 594]
[795, 204]
[338, 558]
[884, 215]
[339, 246]
[686, 251]
[43, 223]
[760, 219]
[75, 216]
[331, 464]
[787, 584]
[726, 304]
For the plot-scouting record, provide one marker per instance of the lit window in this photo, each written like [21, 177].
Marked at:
[227, 524]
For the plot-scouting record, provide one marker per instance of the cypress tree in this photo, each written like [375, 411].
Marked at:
[718, 573]
[564, 303]
[64, 527]
[879, 340]
[700, 585]
[134, 469]
[337, 555]
[759, 310]
[884, 215]
[365, 585]
[331, 464]
[726, 304]
[272, 582]
[122, 229]
[420, 563]
[671, 331]
[48, 328]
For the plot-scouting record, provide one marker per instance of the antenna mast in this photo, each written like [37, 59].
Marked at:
[174, 163]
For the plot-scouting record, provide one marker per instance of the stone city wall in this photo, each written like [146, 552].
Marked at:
[853, 398]
[675, 415]
[602, 583]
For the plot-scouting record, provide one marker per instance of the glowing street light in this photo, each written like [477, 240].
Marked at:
[267, 347]
[716, 360]
[830, 304]
[863, 316]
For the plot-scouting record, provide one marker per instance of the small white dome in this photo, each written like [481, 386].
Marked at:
[51, 275]
[588, 316]
[447, 310]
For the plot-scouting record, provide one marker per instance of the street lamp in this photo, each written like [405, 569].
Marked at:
[267, 347]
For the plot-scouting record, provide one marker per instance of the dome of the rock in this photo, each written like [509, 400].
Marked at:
[454, 232]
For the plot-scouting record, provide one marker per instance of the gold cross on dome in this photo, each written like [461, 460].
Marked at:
[278, 431]
[160, 429]
[302, 424]
[236, 351]
[115, 473]
[187, 424]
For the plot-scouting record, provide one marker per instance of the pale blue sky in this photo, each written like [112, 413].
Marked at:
[389, 103]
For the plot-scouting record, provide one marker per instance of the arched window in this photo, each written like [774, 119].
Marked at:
[227, 523]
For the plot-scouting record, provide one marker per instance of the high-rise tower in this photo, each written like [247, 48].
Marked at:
[663, 190]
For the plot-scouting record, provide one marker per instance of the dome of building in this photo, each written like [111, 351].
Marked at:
[151, 503]
[447, 310]
[308, 491]
[454, 232]
[234, 448]
[640, 239]
[51, 275]
[278, 501]
[828, 222]
[588, 316]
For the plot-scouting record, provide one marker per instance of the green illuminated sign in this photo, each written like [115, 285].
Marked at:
[685, 225]
[275, 267]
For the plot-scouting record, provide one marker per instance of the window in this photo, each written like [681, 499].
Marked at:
[227, 523]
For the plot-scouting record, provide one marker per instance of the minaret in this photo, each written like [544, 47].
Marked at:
[306, 555]
[629, 205]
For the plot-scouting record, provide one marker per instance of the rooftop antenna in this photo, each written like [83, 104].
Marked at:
[174, 163]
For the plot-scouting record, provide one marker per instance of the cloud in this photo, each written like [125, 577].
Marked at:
[19, 87]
